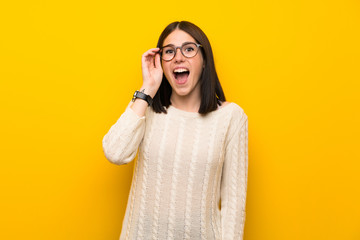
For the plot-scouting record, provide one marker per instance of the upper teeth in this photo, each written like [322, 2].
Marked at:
[181, 70]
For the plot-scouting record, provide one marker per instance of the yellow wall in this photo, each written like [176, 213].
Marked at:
[68, 69]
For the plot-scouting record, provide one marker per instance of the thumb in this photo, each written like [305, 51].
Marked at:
[157, 60]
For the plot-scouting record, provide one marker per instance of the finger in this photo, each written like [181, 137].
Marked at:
[157, 61]
[154, 49]
[148, 57]
[148, 54]
[151, 51]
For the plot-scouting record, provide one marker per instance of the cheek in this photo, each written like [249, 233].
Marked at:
[199, 62]
[199, 67]
[166, 70]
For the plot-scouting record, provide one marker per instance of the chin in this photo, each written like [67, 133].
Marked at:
[181, 93]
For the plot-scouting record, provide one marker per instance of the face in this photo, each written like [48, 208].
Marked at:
[185, 84]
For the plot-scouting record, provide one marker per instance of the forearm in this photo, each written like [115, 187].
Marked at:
[234, 184]
[122, 140]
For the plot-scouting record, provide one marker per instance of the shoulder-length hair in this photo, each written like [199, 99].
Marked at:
[210, 89]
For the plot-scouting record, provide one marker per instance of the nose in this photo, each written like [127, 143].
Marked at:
[178, 55]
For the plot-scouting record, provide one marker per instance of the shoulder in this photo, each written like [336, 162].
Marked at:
[237, 113]
[237, 122]
[223, 104]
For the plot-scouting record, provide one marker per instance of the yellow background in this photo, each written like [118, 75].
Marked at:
[68, 70]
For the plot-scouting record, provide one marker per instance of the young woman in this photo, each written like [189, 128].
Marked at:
[190, 177]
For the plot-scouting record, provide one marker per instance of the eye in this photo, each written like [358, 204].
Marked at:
[168, 50]
[189, 49]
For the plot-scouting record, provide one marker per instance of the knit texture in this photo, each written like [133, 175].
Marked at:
[186, 164]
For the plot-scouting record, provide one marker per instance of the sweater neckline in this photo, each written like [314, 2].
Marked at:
[178, 111]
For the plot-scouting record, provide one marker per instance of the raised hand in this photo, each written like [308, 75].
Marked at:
[151, 71]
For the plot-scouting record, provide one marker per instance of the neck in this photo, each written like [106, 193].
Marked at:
[185, 103]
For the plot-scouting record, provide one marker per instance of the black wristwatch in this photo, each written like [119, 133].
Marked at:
[142, 96]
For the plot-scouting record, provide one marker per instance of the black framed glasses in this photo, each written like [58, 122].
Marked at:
[187, 49]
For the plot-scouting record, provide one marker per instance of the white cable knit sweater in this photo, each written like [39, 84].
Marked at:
[186, 164]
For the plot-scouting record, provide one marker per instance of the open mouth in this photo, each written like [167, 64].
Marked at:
[181, 75]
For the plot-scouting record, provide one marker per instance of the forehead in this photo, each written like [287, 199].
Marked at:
[178, 37]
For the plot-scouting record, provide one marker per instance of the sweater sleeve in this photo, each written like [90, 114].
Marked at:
[234, 180]
[121, 142]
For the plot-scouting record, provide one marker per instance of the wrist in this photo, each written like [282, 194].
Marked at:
[148, 90]
[142, 95]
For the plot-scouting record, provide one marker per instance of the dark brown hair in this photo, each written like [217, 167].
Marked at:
[210, 89]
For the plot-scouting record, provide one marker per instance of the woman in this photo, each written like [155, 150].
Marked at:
[192, 145]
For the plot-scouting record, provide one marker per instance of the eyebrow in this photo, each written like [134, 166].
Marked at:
[172, 45]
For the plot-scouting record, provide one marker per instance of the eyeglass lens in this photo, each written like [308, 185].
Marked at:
[188, 50]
